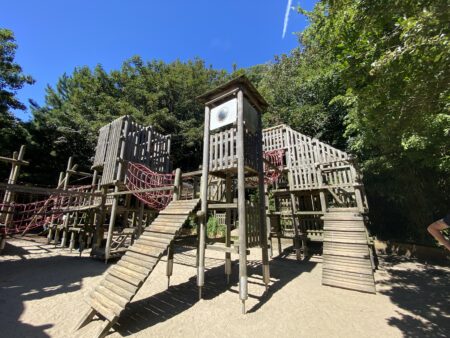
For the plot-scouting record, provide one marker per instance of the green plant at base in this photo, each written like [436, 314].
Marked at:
[214, 229]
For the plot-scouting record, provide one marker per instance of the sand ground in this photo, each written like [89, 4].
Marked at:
[42, 291]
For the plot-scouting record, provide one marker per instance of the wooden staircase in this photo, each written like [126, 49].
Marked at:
[124, 279]
[346, 253]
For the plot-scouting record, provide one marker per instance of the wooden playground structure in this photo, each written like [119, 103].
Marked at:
[269, 184]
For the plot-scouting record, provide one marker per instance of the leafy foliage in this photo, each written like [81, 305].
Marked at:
[156, 93]
[12, 131]
[392, 58]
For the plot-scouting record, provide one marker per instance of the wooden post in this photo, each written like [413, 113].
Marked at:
[295, 225]
[140, 222]
[203, 215]
[9, 195]
[57, 229]
[177, 185]
[229, 199]
[170, 249]
[243, 279]
[262, 211]
[115, 203]
[169, 268]
[72, 240]
[67, 216]
[100, 221]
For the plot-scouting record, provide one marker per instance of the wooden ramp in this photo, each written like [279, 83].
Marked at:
[346, 253]
[124, 279]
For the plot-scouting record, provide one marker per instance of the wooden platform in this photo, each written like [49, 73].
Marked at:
[124, 279]
[346, 252]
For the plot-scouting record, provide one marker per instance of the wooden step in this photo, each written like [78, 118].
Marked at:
[119, 290]
[165, 229]
[364, 283]
[134, 268]
[348, 276]
[171, 218]
[156, 238]
[111, 295]
[125, 285]
[344, 248]
[100, 308]
[151, 249]
[155, 244]
[139, 262]
[170, 224]
[350, 286]
[366, 270]
[349, 241]
[153, 233]
[142, 257]
[346, 228]
[119, 272]
[173, 211]
[146, 251]
[107, 303]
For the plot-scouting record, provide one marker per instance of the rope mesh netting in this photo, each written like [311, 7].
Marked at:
[26, 216]
[271, 175]
[139, 177]
[274, 157]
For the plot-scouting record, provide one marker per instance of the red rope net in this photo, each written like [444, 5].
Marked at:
[20, 218]
[275, 158]
[139, 177]
[271, 175]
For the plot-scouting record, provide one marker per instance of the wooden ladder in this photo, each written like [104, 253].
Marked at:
[346, 253]
[124, 279]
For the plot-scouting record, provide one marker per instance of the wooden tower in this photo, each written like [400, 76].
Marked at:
[233, 150]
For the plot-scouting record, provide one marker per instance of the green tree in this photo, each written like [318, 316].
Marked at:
[12, 79]
[393, 59]
[156, 93]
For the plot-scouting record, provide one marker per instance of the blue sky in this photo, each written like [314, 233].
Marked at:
[56, 36]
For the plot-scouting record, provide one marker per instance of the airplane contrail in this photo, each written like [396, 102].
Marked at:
[286, 17]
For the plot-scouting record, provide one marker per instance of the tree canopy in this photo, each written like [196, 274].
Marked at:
[11, 80]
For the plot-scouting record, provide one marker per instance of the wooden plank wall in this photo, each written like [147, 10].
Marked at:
[223, 152]
[143, 145]
[305, 155]
[112, 152]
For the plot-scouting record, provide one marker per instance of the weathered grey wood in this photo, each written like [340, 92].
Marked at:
[346, 257]
[262, 211]
[229, 198]
[133, 268]
[124, 279]
[129, 287]
[204, 204]
[87, 317]
[112, 296]
[101, 308]
[243, 288]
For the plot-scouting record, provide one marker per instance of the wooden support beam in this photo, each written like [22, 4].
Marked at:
[14, 161]
[128, 192]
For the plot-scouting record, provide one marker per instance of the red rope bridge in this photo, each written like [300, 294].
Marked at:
[139, 177]
[22, 217]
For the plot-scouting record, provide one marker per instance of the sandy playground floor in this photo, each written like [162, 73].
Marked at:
[42, 291]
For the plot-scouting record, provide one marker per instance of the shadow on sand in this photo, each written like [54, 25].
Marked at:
[160, 307]
[50, 276]
[422, 292]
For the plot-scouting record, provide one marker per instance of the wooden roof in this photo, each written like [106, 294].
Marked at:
[241, 81]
